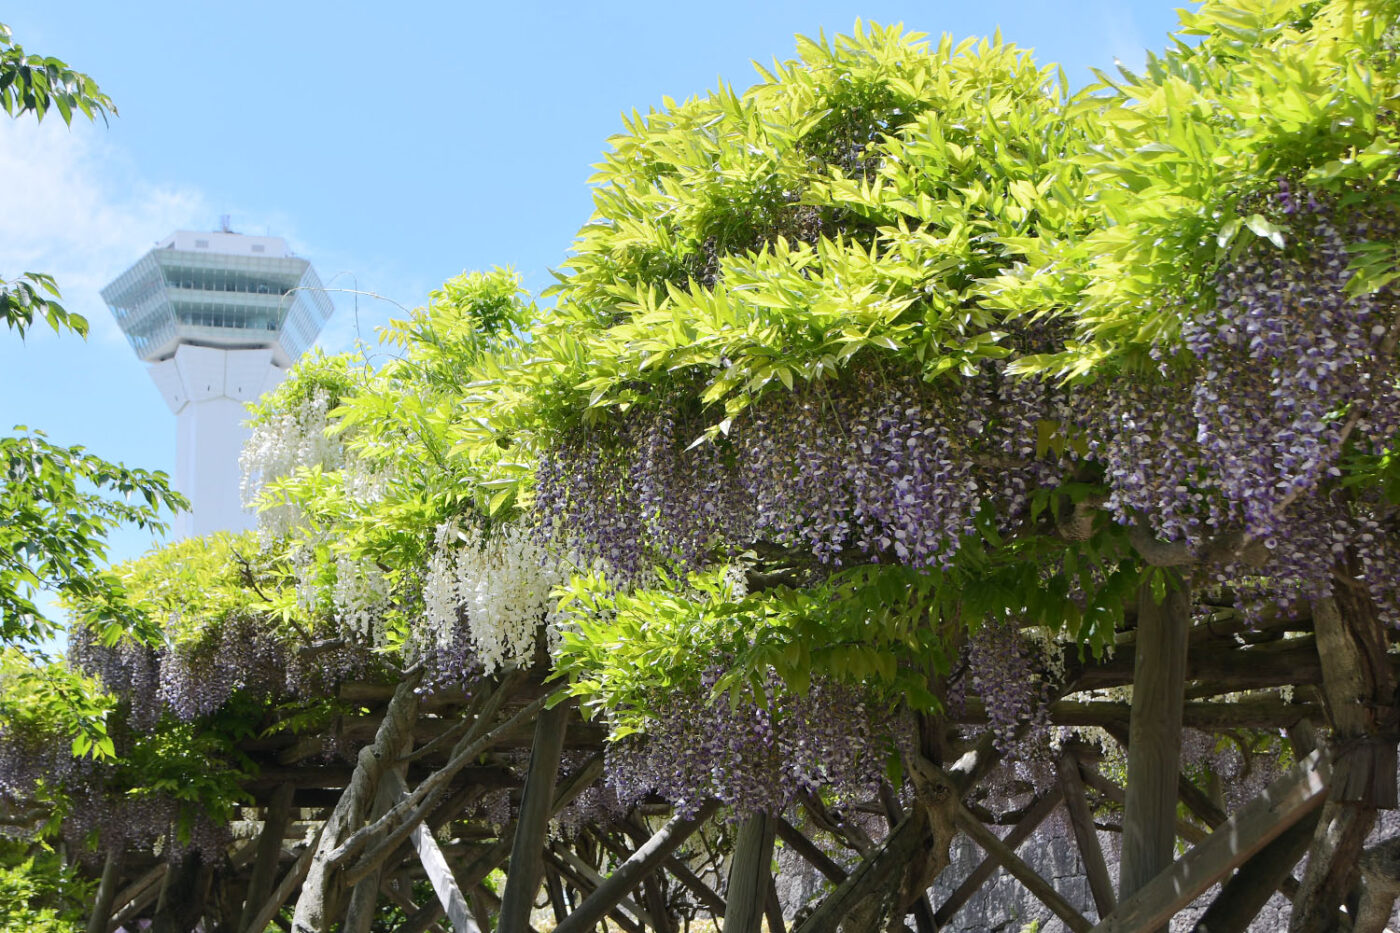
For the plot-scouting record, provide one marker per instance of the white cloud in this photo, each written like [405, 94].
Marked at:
[75, 207]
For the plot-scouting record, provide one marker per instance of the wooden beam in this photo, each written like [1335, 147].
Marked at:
[1035, 814]
[799, 843]
[1249, 889]
[679, 870]
[1038, 886]
[136, 896]
[1282, 804]
[532, 826]
[1085, 835]
[608, 892]
[584, 877]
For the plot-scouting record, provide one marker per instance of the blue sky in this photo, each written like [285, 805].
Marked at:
[392, 145]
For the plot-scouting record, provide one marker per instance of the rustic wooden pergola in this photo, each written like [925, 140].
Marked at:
[340, 841]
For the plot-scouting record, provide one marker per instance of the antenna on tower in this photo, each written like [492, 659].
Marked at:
[224, 223]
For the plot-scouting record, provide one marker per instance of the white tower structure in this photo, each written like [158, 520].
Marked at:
[220, 317]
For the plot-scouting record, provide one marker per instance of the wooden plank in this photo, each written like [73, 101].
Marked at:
[444, 885]
[1282, 804]
[1038, 886]
[136, 896]
[1154, 733]
[1085, 835]
[1035, 814]
[748, 875]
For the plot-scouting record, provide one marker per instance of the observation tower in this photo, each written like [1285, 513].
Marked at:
[219, 317]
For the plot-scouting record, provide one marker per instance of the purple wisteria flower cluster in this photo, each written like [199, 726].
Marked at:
[188, 681]
[1288, 371]
[1006, 672]
[754, 754]
[876, 466]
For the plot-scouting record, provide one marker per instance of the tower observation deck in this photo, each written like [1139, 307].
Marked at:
[219, 317]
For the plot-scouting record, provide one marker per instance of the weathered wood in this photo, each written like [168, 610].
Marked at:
[923, 912]
[874, 873]
[1359, 688]
[137, 896]
[319, 904]
[773, 908]
[365, 892]
[290, 882]
[1007, 857]
[1035, 814]
[106, 892]
[1199, 803]
[610, 891]
[1282, 804]
[794, 839]
[586, 878]
[748, 875]
[268, 854]
[1380, 870]
[677, 869]
[1249, 889]
[416, 805]
[454, 904]
[532, 825]
[1154, 744]
[1085, 835]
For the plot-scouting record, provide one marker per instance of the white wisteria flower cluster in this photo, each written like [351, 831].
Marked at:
[360, 595]
[494, 587]
[284, 443]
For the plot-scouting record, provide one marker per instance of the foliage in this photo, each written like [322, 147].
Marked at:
[36, 84]
[60, 503]
[39, 894]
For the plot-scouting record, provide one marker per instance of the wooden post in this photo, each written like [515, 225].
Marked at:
[1359, 688]
[1154, 733]
[1085, 835]
[610, 891]
[527, 853]
[106, 892]
[748, 875]
[269, 852]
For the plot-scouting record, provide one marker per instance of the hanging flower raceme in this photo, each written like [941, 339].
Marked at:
[491, 588]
